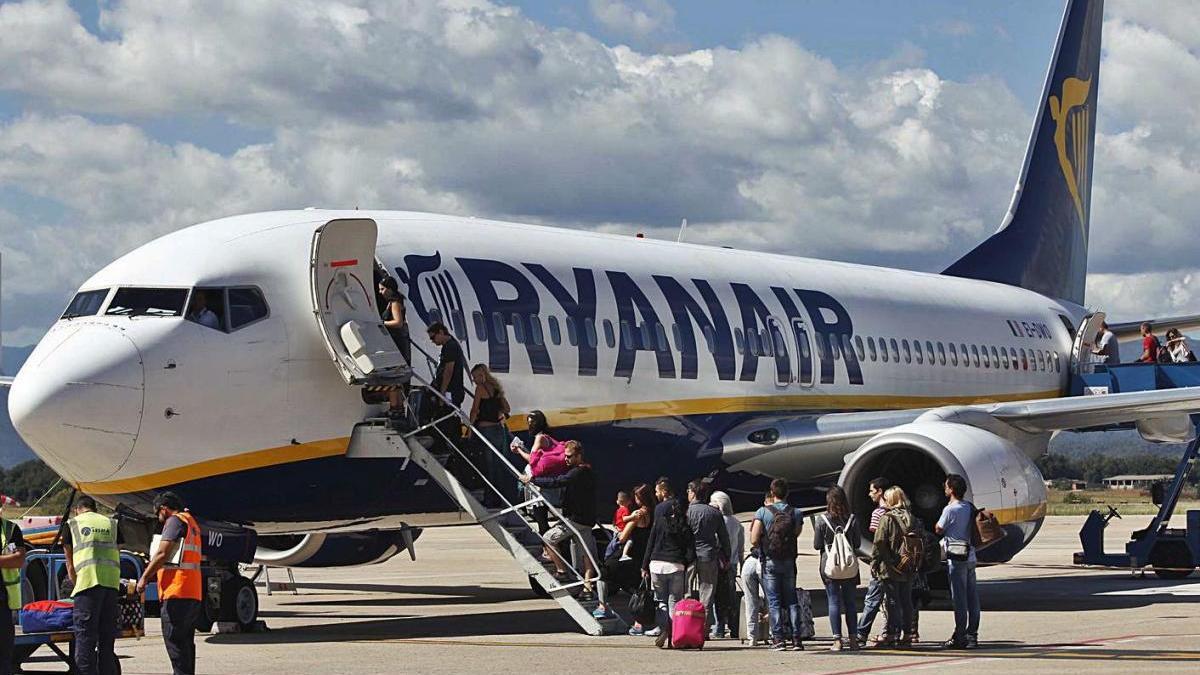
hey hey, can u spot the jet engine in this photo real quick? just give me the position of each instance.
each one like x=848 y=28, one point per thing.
x=339 y=549
x=918 y=457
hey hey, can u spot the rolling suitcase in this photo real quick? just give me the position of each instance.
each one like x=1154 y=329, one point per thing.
x=689 y=625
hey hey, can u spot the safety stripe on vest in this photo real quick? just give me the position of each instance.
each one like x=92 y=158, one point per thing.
x=103 y=546
x=97 y=561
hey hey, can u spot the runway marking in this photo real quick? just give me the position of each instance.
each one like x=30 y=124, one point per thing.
x=1183 y=589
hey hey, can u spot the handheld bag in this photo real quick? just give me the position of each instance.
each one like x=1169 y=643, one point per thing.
x=642 y=604
x=987 y=529
x=688 y=625
x=807 y=630
x=841 y=562
x=47 y=616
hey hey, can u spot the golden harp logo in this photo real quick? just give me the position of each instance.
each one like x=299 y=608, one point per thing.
x=1072 y=118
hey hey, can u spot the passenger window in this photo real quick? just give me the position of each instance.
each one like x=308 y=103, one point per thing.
x=535 y=330
x=678 y=335
x=555 y=333
x=753 y=345
x=572 y=332
x=929 y=352
x=627 y=335
x=987 y=360
x=895 y=350
x=738 y=342
x=161 y=302
x=883 y=350
x=847 y=348
x=953 y=355
x=85 y=303
x=480 y=328
x=647 y=335
x=975 y=355
x=995 y=357
x=777 y=340
x=711 y=338
x=1012 y=355
x=917 y=352
x=907 y=351
x=610 y=337
x=966 y=361
x=661 y=334
x=518 y=324
x=858 y=347
x=1057 y=363
x=941 y=353
x=499 y=329
x=1041 y=360
x=246 y=305
x=457 y=322
x=871 y=348
x=1024 y=360
x=589 y=332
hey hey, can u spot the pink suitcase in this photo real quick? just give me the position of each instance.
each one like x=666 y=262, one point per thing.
x=689 y=625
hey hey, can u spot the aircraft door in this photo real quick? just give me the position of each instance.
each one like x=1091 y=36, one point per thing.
x=342 y=286
x=1085 y=339
x=804 y=355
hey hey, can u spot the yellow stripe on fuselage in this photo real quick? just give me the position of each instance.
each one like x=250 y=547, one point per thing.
x=1020 y=514
x=566 y=417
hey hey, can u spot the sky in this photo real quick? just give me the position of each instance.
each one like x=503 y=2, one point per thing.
x=868 y=131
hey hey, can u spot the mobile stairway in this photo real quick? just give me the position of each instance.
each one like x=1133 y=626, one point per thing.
x=1173 y=553
x=444 y=457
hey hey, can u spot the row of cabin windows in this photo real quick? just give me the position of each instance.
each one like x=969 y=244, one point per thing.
x=766 y=343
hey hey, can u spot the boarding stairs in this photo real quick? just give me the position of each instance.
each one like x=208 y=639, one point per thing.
x=445 y=458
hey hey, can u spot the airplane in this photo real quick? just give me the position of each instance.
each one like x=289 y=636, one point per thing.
x=662 y=358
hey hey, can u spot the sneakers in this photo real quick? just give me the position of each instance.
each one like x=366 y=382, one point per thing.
x=972 y=642
x=624 y=558
x=637 y=631
x=779 y=646
x=853 y=644
x=653 y=632
x=601 y=612
x=797 y=646
x=862 y=639
x=954 y=644
x=836 y=646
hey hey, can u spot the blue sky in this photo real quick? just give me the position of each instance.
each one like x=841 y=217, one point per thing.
x=885 y=133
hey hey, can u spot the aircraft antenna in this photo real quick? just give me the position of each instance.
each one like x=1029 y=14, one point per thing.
x=682 y=228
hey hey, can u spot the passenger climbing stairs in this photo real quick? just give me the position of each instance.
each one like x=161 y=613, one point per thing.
x=440 y=451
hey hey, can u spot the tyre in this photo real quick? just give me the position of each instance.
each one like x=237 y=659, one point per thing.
x=239 y=602
x=1171 y=559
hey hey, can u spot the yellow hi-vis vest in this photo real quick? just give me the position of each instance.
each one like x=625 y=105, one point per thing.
x=11 y=577
x=94 y=551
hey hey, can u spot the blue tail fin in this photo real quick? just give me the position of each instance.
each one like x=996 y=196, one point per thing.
x=1042 y=243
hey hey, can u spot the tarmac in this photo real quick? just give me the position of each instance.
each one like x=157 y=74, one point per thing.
x=464 y=606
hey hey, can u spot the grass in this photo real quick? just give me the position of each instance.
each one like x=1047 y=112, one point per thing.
x=1127 y=502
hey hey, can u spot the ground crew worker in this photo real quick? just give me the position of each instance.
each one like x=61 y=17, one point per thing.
x=179 y=586
x=12 y=558
x=94 y=567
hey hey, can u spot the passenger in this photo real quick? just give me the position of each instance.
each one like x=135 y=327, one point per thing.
x=1107 y=346
x=839 y=592
x=489 y=410
x=1150 y=345
x=712 y=544
x=725 y=609
x=955 y=526
x=199 y=312
x=897 y=584
x=753 y=587
x=540 y=463
x=621 y=567
x=874 y=599
x=391 y=310
x=1177 y=347
x=180 y=586
x=94 y=568
x=668 y=554
x=624 y=502
x=775 y=529
x=579 y=511
x=12 y=560
x=448 y=379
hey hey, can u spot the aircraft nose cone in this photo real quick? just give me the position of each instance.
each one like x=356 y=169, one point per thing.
x=78 y=401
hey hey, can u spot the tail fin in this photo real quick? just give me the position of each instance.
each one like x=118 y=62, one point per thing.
x=1042 y=243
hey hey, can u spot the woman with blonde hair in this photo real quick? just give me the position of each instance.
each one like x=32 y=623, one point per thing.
x=489 y=410
x=885 y=561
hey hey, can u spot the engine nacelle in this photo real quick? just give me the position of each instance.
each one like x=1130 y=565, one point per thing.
x=338 y=549
x=918 y=456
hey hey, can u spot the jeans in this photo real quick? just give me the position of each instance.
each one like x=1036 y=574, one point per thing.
x=96 y=617
x=779 y=577
x=898 y=595
x=497 y=474
x=870 y=606
x=668 y=590
x=724 y=612
x=840 y=597
x=966 y=600
x=179 y=633
x=752 y=587
x=702 y=576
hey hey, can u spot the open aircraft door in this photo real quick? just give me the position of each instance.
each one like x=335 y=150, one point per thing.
x=1085 y=341
x=342 y=283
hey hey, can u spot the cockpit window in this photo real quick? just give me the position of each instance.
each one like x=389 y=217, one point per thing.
x=147 y=302
x=86 y=303
x=207 y=308
x=246 y=305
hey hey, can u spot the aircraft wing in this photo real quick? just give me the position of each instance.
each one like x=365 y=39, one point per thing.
x=1131 y=329
x=764 y=445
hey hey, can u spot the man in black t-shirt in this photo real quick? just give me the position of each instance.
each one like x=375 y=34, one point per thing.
x=449 y=377
x=12 y=557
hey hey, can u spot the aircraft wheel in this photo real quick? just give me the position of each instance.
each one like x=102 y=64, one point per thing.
x=240 y=602
x=1171 y=560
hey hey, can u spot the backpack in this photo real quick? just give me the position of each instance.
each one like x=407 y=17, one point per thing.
x=912 y=548
x=781 y=536
x=841 y=560
x=932 y=561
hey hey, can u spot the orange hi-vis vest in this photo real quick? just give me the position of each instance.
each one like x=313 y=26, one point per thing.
x=183 y=581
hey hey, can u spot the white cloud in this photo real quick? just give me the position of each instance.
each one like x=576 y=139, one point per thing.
x=464 y=106
x=633 y=18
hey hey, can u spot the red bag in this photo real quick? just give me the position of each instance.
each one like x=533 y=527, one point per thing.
x=549 y=462
x=689 y=625
x=47 y=616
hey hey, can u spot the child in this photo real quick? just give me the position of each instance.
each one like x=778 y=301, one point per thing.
x=620 y=516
